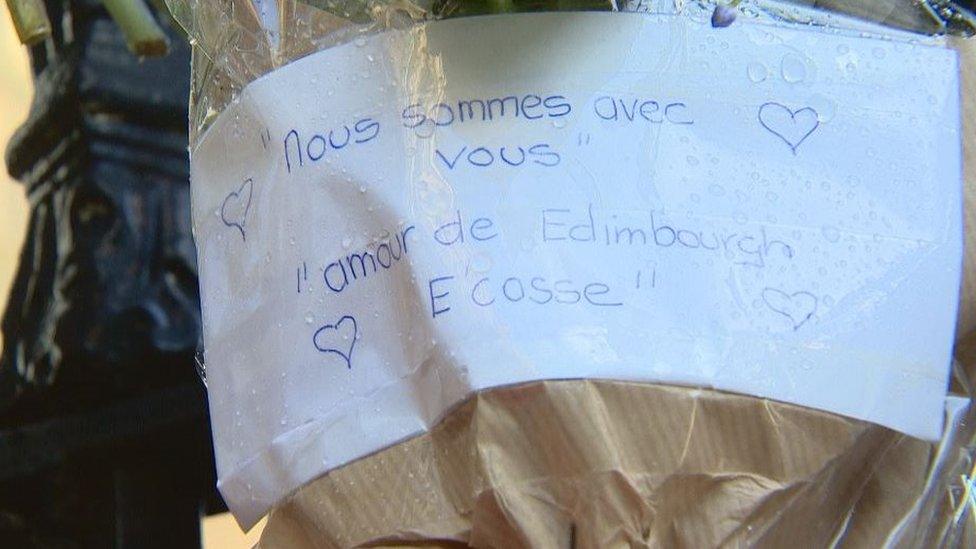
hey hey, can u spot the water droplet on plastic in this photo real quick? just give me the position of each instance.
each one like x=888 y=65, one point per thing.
x=826 y=108
x=481 y=263
x=201 y=366
x=793 y=68
x=559 y=123
x=346 y=242
x=757 y=72
x=309 y=318
x=692 y=161
x=831 y=233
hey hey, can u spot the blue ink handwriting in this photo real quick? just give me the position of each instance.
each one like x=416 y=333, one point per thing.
x=233 y=211
x=792 y=127
x=332 y=338
x=798 y=307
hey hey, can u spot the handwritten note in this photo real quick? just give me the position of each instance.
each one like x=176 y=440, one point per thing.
x=758 y=209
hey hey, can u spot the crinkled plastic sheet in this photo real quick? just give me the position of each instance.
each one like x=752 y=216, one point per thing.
x=236 y=41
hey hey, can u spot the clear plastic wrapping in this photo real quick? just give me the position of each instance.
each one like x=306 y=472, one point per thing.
x=236 y=42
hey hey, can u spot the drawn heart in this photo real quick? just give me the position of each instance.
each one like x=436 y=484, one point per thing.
x=233 y=211
x=333 y=338
x=799 y=307
x=793 y=127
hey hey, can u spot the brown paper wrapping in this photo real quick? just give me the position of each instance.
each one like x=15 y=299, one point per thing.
x=610 y=464
x=607 y=464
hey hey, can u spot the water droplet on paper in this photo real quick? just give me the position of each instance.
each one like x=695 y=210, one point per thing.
x=360 y=41
x=346 y=242
x=559 y=123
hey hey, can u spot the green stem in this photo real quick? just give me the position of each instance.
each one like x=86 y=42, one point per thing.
x=142 y=33
x=500 y=6
x=30 y=20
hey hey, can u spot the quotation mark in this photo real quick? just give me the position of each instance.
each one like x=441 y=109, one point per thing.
x=301 y=274
x=233 y=210
x=332 y=338
x=792 y=127
x=798 y=307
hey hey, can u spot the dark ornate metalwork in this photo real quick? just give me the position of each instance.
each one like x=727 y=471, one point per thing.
x=106 y=293
x=103 y=431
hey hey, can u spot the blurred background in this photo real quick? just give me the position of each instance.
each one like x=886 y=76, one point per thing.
x=16 y=90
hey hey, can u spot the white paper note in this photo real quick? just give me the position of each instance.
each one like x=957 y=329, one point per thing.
x=387 y=226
